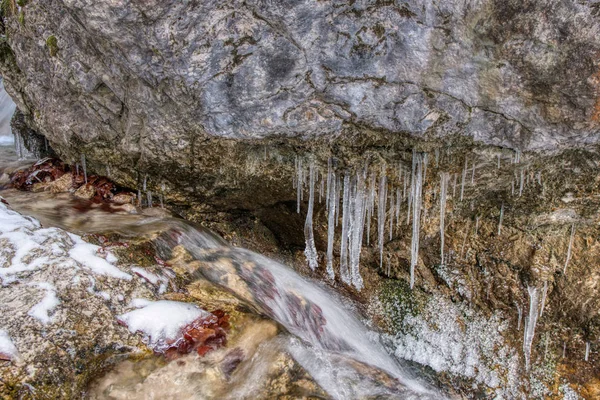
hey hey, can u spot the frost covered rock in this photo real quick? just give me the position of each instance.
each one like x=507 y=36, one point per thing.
x=59 y=298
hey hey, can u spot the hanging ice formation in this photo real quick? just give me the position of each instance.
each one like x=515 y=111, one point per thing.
x=544 y=294
x=570 y=248
x=392 y=212
x=299 y=179
x=462 y=183
x=530 y=325
x=84 y=167
x=416 y=191
x=381 y=213
x=331 y=204
x=501 y=218
x=521 y=180
x=310 y=251
x=520 y=313
x=344 y=239
x=587 y=351
x=357 y=223
x=443 y=189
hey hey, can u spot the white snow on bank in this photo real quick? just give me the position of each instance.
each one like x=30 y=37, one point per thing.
x=7 y=140
x=160 y=321
x=154 y=279
x=41 y=311
x=86 y=254
x=7 y=347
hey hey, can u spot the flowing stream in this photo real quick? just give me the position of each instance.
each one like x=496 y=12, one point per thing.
x=318 y=328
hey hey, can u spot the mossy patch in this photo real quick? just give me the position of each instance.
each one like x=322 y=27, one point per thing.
x=52 y=45
x=400 y=302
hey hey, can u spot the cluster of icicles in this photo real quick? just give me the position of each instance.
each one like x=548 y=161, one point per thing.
x=355 y=197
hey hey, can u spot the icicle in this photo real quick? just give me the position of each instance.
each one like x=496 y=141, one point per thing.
x=520 y=311
x=329 y=172
x=356 y=228
x=77 y=169
x=46 y=143
x=462 y=183
x=405 y=185
x=501 y=218
x=564 y=349
x=512 y=188
x=381 y=213
x=392 y=212
x=83 y=166
x=531 y=322
x=310 y=251
x=544 y=294
x=454 y=187
x=570 y=248
x=144 y=183
x=410 y=194
x=473 y=174
x=416 y=191
x=539 y=178
x=443 y=189
x=476 y=225
x=107 y=170
x=437 y=157
x=331 y=201
x=398 y=204
x=321 y=190
x=149 y=198
x=370 y=205
x=521 y=179
x=587 y=351
x=498 y=161
x=299 y=180
x=425 y=161
x=139 y=196
x=345 y=226
x=337 y=200
x=294 y=178
x=265 y=152
x=464 y=243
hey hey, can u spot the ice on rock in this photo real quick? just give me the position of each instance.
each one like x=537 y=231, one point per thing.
x=160 y=321
x=501 y=218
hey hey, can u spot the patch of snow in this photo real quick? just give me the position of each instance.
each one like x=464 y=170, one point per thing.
x=86 y=254
x=569 y=393
x=7 y=347
x=160 y=321
x=147 y=275
x=41 y=311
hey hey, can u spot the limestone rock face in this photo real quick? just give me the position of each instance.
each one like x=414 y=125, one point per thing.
x=156 y=78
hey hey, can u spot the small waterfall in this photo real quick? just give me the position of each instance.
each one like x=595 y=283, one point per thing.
x=331 y=210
